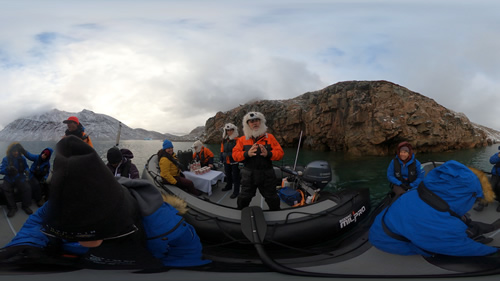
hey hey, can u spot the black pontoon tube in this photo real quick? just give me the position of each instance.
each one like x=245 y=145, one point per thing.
x=254 y=227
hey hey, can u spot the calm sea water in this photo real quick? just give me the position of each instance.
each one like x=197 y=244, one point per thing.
x=349 y=171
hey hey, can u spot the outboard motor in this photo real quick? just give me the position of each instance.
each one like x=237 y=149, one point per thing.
x=317 y=173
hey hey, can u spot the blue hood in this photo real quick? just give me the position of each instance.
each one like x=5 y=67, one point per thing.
x=456 y=184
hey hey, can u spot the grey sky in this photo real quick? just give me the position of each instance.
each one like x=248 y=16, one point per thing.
x=170 y=65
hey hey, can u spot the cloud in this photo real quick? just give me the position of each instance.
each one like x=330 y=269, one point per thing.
x=166 y=66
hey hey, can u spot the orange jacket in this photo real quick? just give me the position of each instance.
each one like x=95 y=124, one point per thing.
x=85 y=138
x=88 y=140
x=205 y=156
x=274 y=152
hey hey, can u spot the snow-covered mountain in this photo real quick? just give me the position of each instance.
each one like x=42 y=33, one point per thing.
x=48 y=126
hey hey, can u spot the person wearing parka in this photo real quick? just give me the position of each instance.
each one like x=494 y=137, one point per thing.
x=96 y=220
x=15 y=169
x=414 y=227
x=203 y=155
x=39 y=173
x=75 y=128
x=495 y=182
x=120 y=163
x=495 y=176
x=170 y=169
x=257 y=150
x=404 y=171
x=231 y=167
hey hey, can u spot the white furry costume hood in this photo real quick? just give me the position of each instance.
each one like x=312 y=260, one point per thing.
x=246 y=128
x=197 y=146
x=229 y=126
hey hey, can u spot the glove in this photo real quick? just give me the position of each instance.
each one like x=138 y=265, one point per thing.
x=405 y=186
x=21 y=254
x=11 y=171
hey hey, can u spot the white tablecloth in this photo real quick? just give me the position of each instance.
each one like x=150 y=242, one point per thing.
x=205 y=181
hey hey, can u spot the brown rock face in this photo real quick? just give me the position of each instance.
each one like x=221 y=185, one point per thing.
x=359 y=117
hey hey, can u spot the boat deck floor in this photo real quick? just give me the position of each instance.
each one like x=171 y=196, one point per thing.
x=224 y=198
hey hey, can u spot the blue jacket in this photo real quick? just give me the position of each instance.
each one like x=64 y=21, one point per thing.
x=495 y=160
x=404 y=172
x=169 y=238
x=39 y=163
x=16 y=162
x=428 y=229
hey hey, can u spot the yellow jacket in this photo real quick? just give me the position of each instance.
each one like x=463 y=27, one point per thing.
x=168 y=170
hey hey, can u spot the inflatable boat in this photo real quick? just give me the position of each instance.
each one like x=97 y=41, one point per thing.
x=218 y=222
x=257 y=252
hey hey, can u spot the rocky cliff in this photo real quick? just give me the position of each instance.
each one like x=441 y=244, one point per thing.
x=361 y=117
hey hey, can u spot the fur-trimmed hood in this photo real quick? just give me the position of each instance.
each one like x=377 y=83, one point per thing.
x=410 y=150
x=197 y=145
x=14 y=146
x=229 y=126
x=246 y=128
x=488 y=193
x=176 y=202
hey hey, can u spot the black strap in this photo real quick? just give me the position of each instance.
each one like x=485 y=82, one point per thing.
x=168 y=232
x=433 y=200
x=163 y=153
x=388 y=231
x=394 y=235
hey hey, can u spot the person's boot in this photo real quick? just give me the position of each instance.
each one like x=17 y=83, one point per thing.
x=40 y=202
x=498 y=208
x=496 y=224
x=480 y=207
x=11 y=213
x=27 y=210
x=227 y=187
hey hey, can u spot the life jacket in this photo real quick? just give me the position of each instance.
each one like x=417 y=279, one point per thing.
x=259 y=163
x=412 y=171
x=40 y=170
x=228 y=146
x=200 y=156
x=497 y=169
